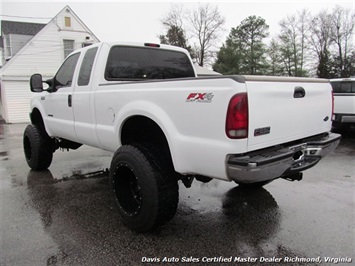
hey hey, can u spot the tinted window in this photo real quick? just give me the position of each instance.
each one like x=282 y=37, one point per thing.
x=65 y=73
x=336 y=86
x=134 y=63
x=343 y=86
x=86 y=67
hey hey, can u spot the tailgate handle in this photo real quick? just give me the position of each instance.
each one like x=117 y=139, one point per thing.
x=69 y=100
x=299 y=92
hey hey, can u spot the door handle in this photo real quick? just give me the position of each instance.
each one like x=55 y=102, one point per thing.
x=70 y=100
x=299 y=92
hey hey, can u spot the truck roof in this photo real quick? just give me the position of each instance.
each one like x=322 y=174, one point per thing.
x=146 y=44
x=343 y=79
x=135 y=44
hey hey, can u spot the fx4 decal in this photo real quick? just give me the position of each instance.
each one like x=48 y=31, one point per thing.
x=200 y=97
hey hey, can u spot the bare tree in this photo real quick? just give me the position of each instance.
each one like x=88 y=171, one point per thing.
x=320 y=37
x=173 y=22
x=303 y=28
x=342 y=29
x=293 y=38
x=320 y=42
x=276 y=66
x=175 y=17
x=288 y=40
x=206 y=26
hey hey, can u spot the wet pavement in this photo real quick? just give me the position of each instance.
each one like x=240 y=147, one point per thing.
x=66 y=216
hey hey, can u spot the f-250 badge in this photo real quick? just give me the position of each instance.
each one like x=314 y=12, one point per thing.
x=200 y=97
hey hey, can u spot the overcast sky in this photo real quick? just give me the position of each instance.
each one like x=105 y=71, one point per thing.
x=140 y=21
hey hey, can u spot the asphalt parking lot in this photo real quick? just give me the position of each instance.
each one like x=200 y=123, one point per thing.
x=66 y=216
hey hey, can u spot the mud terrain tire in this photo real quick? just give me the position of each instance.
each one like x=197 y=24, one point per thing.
x=145 y=190
x=38 y=148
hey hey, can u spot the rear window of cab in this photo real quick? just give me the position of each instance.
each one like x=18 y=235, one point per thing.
x=345 y=86
x=144 y=63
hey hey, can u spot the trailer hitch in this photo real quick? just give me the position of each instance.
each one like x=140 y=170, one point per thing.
x=293 y=177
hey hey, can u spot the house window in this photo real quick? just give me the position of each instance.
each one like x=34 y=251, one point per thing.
x=68 y=47
x=8 y=52
x=67 y=21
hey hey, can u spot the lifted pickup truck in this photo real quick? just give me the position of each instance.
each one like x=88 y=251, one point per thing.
x=144 y=103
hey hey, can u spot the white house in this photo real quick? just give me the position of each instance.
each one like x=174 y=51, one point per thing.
x=41 y=53
x=14 y=35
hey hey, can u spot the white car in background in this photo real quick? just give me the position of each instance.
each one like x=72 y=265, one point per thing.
x=344 y=102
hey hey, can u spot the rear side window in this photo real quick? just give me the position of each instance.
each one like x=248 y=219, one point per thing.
x=133 y=63
x=343 y=86
x=86 y=67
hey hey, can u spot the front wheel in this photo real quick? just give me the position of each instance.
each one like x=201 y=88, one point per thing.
x=38 y=148
x=145 y=192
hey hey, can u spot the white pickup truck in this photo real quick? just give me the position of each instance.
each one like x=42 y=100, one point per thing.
x=344 y=102
x=144 y=103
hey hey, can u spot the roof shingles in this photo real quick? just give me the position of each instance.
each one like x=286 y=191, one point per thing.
x=22 y=28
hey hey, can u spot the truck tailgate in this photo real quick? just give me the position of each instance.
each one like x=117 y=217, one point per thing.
x=344 y=103
x=286 y=109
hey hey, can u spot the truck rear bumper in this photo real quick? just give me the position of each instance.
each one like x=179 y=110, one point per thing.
x=344 y=118
x=281 y=161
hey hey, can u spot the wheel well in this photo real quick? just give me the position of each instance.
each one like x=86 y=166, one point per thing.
x=144 y=131
x=37 y=120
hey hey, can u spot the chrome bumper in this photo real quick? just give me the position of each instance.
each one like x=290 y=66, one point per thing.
x=283 y=161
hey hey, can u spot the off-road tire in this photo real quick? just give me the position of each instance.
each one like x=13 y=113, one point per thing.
x=38 y=148
x=145 y=190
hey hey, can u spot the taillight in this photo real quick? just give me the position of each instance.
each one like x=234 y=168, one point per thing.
x=237 y=120
x=333 y=117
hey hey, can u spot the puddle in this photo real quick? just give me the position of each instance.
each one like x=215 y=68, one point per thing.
x=77 y=175
x=38 y=178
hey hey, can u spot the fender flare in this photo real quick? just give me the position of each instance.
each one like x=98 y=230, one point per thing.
x=154 y=113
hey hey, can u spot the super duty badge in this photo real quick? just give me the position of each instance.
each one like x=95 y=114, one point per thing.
x=261 y=131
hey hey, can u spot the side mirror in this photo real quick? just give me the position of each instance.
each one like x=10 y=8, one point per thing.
x=36 y=83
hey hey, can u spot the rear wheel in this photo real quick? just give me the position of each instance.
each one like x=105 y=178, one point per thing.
x=145 y=191
x=38 y=148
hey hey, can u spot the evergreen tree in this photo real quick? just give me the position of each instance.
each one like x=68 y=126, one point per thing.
x=175 y=36
x=244 y=51
x=324 y=69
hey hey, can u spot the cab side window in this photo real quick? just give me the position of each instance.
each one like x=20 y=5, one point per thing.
x=64 y=76
x=86 y=67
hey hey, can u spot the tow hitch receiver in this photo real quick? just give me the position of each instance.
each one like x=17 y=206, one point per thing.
x=293 y=177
